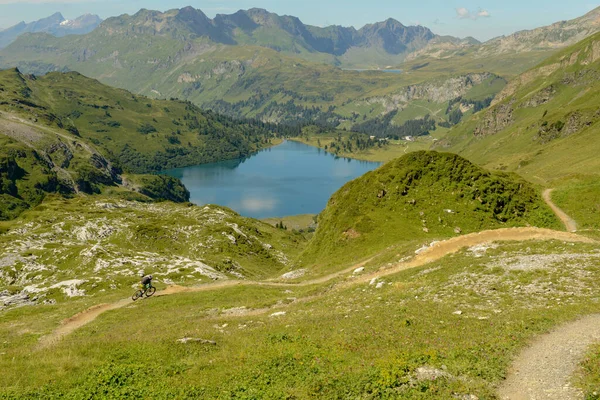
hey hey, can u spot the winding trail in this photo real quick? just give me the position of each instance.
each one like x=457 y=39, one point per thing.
x=543 y=370
x=569 y=222
x=435 y=252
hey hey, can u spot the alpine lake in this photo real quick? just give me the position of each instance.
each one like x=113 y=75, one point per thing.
x=289 y=179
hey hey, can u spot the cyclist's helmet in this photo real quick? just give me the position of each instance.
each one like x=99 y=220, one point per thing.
x=150 y=276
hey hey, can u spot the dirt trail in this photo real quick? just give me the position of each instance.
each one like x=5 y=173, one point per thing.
x=441 y=249
x=569 y=222
x=435 y=252
x=78 y=320
x=543 y=370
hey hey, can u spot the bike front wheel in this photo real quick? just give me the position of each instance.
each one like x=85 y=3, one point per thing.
x=151 y=290
x=137 y=295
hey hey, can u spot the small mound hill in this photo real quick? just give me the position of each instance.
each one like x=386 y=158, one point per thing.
x=423 y=195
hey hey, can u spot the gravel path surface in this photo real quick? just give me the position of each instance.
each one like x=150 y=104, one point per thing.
x=544 y=369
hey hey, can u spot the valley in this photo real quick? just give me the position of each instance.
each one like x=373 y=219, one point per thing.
x=462 y=264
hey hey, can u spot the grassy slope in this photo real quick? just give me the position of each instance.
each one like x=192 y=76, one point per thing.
x=579 y=197
x=176 y=133
x=506 y=65
x=522 y=146
x=353 y=342
x=421 y=196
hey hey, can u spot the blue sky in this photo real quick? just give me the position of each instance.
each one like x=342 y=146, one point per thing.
x=481 y=19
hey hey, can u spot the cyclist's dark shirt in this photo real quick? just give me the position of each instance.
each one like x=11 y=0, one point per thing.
x=146 y=280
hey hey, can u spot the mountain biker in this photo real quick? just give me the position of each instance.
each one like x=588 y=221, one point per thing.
x=146 y=281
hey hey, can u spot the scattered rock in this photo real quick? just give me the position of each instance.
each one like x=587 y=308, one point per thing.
x=351 y=234
x=359 y=270
x=430 y=374
x=457 y=312
x=196 y=340
x=379 y=285
x=294 y=274
x=457 y=230
x=541 y=97
x=495 y=120
x=465 y=397
x=278 y=314
x=20 y=299
x=236 y=311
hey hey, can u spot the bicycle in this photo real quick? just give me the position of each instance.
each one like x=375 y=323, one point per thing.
x=149 y=291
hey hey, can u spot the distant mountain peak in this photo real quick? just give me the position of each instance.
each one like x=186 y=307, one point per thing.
x=55 y=25
x=57 y=14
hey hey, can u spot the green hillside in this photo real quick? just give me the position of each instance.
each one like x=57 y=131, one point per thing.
x=544 y=124
x=421 y=196
x=37 y=161
x=136 y=133
x=449 y=328
x=67 y=134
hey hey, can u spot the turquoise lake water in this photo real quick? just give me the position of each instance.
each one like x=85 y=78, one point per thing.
x=288 y=179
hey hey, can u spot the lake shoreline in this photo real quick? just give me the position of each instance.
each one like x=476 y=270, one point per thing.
x=287 y=179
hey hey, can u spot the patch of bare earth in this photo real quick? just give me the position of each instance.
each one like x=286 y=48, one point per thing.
x=569 y=222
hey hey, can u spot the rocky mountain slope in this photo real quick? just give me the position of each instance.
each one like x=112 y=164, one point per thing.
x=285 y=34
x=101 y=245
x=423 y=195
x=508 y=55
x=55 y=25
x=545 y=123
x=556 y=36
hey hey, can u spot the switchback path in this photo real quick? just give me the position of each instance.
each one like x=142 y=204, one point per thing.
x=544 y=369
x=569 y=222
x=435 y=252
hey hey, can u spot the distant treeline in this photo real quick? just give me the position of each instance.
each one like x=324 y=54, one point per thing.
x=383 y=127
x=354 y=142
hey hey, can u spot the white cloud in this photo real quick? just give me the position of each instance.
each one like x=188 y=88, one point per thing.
x=463 y=13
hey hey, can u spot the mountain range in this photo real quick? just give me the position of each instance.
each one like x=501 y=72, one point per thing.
x=55 y=25
x=285 y=34
x=238 y=80
x=543 y=39
x=375 y=45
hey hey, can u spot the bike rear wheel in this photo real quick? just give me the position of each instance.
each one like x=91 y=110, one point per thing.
x=150 y=291
x=137 y=295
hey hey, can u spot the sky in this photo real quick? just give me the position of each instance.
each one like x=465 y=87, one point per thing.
x=480 y=19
